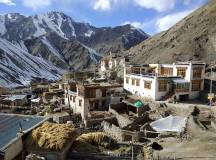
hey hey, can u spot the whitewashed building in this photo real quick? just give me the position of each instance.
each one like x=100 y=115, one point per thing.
x=108 y=63
x=185 y=80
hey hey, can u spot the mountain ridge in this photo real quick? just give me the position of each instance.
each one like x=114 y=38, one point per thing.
x=61 y=42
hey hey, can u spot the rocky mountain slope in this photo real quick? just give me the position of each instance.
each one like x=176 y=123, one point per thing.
x=18 y=67
x=60 y=42
x=193 y=38
x=17 y=27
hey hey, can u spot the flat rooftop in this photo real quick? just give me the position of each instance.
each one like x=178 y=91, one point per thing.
x=98 y=85
x=153 y=76
x=10 y=126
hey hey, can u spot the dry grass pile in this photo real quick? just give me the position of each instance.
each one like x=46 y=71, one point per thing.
x=96 y=138
x=52 y=136
x=90 y=140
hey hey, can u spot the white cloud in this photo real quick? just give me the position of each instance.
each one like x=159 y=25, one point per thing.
x=158 y=5
x=102 y=5
x=36 y=4
x=168 y=21
x=7 y=2
x=135 y=24
x=147 y=25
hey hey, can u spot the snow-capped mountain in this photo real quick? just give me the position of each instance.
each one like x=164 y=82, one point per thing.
x=62 y=42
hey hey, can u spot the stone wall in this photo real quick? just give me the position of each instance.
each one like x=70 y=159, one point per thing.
x=123 y=120
x=148 y=153
x=93 y=122
x=120 y=134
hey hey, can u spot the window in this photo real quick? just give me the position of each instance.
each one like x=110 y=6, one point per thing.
x=136 y=70
x=133 y=82
x=103 y=92
x=90 y=93
x=137 y=82
x=162 y=85
x=196 y=85
x=74 y=99
x=197 y=72
x=80 y=102
x=147 y=84
x=127 y=80
x=71 y=97
x=166 y=71
x=181 y=72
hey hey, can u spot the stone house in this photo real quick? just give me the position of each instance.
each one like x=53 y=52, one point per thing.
x=77 y=76
x=3 y=90
x=90 y=97
x=15 y=100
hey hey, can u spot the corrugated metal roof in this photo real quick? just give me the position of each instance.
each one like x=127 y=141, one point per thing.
x=10 y=125
x=180 y=80
x=15 y=97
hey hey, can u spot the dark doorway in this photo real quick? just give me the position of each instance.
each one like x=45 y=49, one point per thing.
x=184 y=97
x=96 y=105
x=127 y=138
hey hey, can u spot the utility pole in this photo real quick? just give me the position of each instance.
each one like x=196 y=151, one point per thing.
x=132 y=151
x=211 y=87
x=211 y=94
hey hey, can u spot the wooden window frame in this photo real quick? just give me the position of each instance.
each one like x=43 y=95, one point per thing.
x=137 y=82
x=196 y=85
x=133 y=82
x=127 y=80
x=197 y=72
x=162 y=85
x=147 y=84
x=181 y=71
x=167 y=71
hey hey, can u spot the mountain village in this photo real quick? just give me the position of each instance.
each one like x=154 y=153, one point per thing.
x=73 y=91
x=117 y=110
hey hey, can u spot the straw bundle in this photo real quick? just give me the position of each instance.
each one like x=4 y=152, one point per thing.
x=96 y=138
x=51 y=136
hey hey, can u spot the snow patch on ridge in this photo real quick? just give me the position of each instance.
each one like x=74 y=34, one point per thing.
x=52 y=21
x=39 y=30
x=89 y=33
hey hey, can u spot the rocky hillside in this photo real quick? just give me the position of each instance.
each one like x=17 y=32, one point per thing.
x=18 y=67
x=193 y=38
x=58 y=40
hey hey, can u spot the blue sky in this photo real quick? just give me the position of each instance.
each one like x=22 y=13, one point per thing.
x=152 y=16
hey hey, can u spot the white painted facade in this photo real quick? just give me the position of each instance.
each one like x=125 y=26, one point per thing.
x=140 y=90
x=108 y=64
x=153 y=92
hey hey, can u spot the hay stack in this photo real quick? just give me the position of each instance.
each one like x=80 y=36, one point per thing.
x=96 y=138
x=51 y=136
